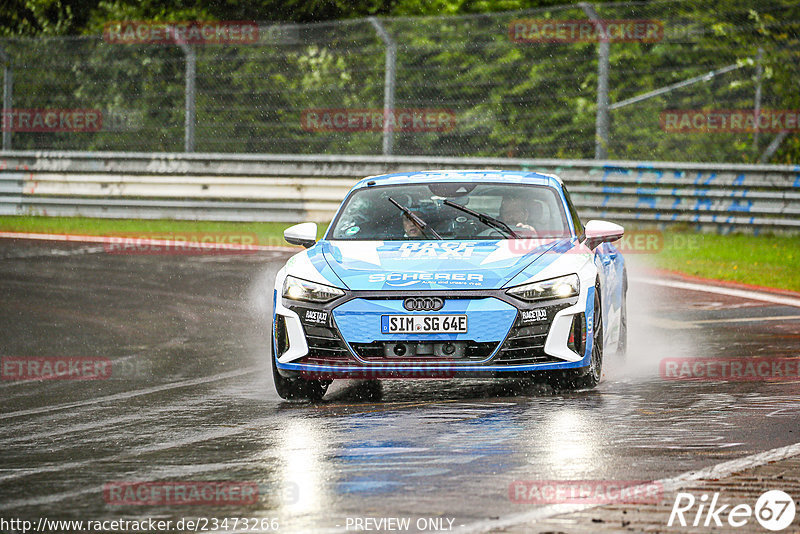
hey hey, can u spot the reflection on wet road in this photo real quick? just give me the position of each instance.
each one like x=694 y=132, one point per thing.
x=190 y=399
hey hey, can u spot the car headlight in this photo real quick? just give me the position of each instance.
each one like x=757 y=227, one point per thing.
x=297 y=289
x=553 y=288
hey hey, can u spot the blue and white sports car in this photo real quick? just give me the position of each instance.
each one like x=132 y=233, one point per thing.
x=447 y=274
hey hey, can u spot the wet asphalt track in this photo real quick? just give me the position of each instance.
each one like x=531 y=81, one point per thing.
x=190 y=398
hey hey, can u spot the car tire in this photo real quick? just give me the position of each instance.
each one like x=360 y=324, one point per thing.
x=588 y=377
x=297 y=388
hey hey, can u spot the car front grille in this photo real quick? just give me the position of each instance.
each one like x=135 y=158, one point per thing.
x=325 y=346
x=524 y=346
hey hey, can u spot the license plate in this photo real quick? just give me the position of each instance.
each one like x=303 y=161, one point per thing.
x=424 y=324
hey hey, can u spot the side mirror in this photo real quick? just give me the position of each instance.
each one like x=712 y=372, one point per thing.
x=304 y=234
x=602 y=232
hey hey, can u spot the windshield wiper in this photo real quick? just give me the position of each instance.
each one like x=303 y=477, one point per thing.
x=488 y=220
x=415 y=219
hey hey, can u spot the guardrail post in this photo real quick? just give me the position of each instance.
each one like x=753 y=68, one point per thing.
x=189 y=114
x=603 y=50
x=388 y=84
x=8 y=98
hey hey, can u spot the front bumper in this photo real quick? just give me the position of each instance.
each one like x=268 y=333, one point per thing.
x=505 y=336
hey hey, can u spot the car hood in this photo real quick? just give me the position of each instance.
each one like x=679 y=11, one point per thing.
x=433 y=265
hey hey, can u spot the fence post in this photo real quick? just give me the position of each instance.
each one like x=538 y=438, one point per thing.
x=603 y=50
x=191 y=70
x=388 y=85
x=757 y=102
x=8 y=98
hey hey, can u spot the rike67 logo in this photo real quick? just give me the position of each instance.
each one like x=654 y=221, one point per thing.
x=774 y=510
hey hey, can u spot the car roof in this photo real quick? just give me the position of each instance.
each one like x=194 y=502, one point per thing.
x=465 y=175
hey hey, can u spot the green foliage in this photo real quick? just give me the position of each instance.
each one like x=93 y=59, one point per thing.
x=510 y=99
x=37 y=17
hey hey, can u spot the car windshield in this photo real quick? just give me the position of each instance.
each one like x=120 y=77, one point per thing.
x=434 y=211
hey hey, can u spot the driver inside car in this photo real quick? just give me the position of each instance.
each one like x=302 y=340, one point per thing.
x=411 y=230
x=515 y=212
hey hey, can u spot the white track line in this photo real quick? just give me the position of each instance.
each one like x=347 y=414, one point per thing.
x=671 y=324
x=749 y=319
x=133 y=240
x=131 y=394
x=713 y=472
x=741 y=293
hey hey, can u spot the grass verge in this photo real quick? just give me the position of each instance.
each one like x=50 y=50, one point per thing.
x=264 y=233
x=765 y=260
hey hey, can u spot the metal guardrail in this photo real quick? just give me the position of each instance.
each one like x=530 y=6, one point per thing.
x=287 y=188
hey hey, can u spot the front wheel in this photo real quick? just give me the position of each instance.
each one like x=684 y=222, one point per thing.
x=297 y=388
